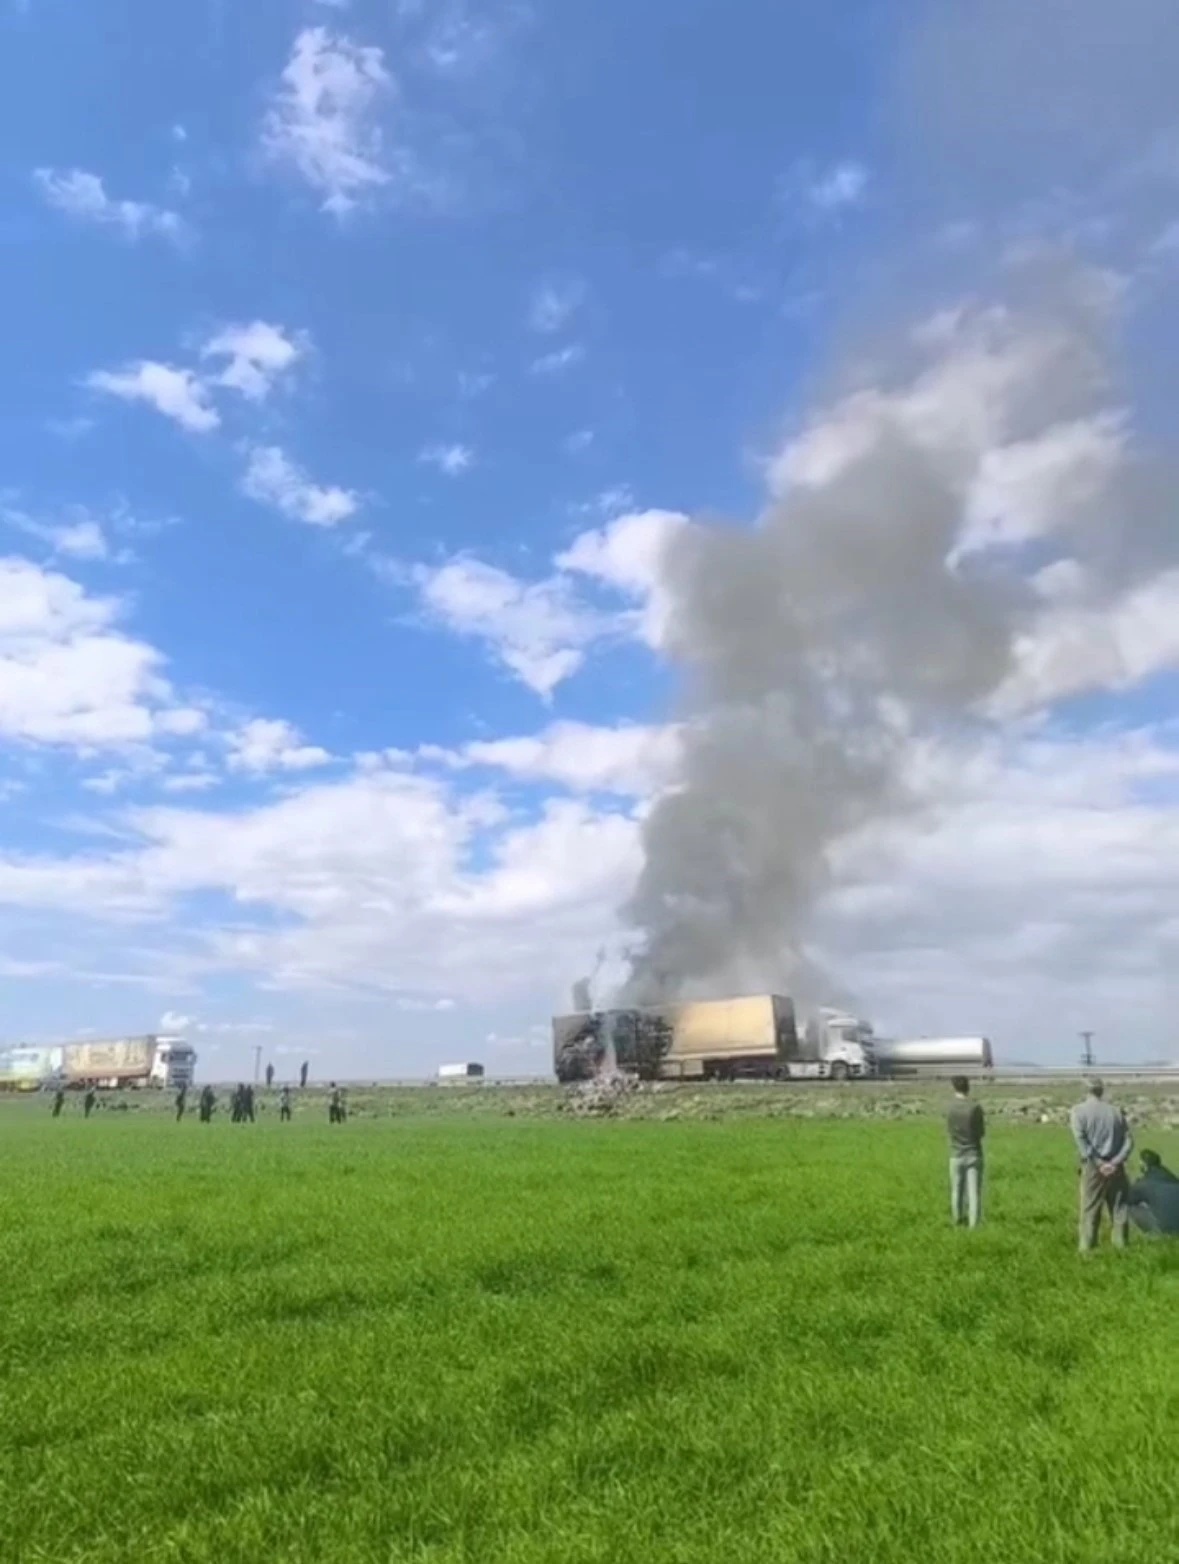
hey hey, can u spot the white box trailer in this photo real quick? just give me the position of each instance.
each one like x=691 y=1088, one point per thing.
x=460 y=1072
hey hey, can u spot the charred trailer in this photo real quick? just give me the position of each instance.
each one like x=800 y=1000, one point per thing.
x=718 y=1039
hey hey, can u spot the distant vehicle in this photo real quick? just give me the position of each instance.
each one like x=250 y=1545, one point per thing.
x=752 y=1037
x=111 y=1063
x=933 y=1055
x=460 y=1072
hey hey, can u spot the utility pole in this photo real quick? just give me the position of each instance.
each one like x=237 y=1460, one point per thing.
x=1087 y=1058
x=257 y=1061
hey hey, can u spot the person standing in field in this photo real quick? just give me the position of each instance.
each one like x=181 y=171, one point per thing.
x=967 y=1126
x=269 y=1076
x=1154 y=1199
x=1104 y=1144
x=303 y=1074
x=181 y=1103
x=336 y=1106
x=208 y=1102
x=248 y=1103
x=89 y=1101
x=58 y=1102
x=237 y=1106
x=284 y=1105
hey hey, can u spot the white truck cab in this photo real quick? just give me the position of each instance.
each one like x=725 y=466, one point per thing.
x=173 y=1064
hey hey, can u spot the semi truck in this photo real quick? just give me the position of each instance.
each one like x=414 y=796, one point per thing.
x=472 y=1071
x=105 y=1062
x=752 y=1037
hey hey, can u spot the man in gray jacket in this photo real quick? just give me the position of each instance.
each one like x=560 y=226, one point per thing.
x=1104 y=1143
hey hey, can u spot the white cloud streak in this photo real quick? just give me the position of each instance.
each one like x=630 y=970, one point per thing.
x=83 y=196
x=272 y=478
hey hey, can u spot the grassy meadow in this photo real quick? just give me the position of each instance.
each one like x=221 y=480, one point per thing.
x=448 y=1336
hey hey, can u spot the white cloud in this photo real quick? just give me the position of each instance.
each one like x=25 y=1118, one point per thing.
x=173 y=1021
x=323 y=120
x=449 y=459
x=69 y=676
x=84 y=196
x=177 y=393
x=272 y=478
x=577 y=442
x=257 y=354
x=538 y=630
x=78 y=537
x=560 y=359
x=630 y=760
x=264 y=745
x=553 y=303
x=841 y=185
x=627 y=555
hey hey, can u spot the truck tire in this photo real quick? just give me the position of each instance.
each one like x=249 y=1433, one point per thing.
x=839 y=1070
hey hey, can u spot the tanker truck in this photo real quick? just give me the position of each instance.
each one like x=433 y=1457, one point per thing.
x=752 y=1037
x=933 y=1055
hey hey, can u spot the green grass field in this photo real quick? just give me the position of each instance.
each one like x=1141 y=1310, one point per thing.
x=487 y=1339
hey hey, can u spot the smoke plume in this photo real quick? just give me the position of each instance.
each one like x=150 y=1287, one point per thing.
x=894 y=594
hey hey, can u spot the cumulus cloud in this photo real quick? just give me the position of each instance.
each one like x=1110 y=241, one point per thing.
x=627 y=554
x=821 y=192
x=323 y=122
x=69 y=676
x=265 y=745
x=538 y=630
x=272 y=478
x=178 y=394
x=256 y=357
x=75 y=536
x=83 y=196
x=630 y=760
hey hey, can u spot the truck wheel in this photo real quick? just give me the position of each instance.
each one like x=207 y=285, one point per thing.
x=839 y=1070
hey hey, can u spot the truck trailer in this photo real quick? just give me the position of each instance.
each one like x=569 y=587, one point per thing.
x=752 y=1037
x=933 y=1055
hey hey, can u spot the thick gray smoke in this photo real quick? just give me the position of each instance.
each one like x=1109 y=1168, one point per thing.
x=960 y=519
x=869 y=611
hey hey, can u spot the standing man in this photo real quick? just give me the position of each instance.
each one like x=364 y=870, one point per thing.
x=269 y=1076
x=58 y=1102
x=967 y=1127
x=248 y=1104
x=181 y=1103
x=208 y=1101
x=303 y=1074
x=1104 y=1143
x=239 y=1097
x=284 y=1105
x=89 y=1101
x=1154 y=1199
x=336 y=1106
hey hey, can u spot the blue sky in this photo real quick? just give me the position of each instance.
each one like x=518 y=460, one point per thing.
x=361 y=356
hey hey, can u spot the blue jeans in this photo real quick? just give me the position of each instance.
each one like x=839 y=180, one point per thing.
x=966 y=1174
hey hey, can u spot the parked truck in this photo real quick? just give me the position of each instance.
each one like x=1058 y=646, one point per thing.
x=105 y=1062
x=752 y=1037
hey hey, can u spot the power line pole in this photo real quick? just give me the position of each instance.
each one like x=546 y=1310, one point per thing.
x=1087 y=1058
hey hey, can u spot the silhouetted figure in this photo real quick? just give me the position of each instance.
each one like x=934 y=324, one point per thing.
x=303 y=1073
x=336 y=1114
x=284 y=1105
x=207 y=1104
x=89 y=1101
x=58 y=1102
x=181 y=1103
x=237 y=1104
x=248 y=1104
x=1154 y=1198
x=269 y=1076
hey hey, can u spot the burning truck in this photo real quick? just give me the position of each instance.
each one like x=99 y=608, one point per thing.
x=755 y=1036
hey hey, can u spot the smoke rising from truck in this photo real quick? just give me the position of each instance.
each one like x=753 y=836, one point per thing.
x=941 y=530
